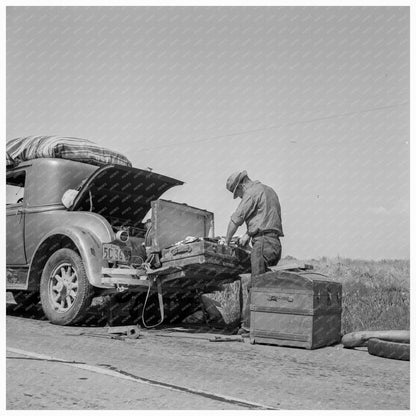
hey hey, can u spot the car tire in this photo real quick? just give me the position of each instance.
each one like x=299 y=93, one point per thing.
x=389 y=349
x=65 y=291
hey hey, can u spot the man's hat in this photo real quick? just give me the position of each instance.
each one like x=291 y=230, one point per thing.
x=234 y=180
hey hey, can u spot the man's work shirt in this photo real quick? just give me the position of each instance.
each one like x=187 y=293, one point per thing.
x=260 y=209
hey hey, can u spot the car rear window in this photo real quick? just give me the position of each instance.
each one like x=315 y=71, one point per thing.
x=15 y=187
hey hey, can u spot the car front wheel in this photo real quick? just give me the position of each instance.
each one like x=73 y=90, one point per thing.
x=65 y=291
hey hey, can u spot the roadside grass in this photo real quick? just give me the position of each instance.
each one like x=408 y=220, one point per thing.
x=376 y=294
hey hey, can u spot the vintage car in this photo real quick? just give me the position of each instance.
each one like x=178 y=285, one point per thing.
x=101 y=244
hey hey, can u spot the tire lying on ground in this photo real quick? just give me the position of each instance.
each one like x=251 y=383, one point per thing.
x=389 y=349
x=360 y=338
x=65 y=291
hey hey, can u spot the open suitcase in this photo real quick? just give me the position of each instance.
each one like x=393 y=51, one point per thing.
x=184 y=236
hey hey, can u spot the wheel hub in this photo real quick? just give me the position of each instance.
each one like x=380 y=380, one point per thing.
x=63 y=287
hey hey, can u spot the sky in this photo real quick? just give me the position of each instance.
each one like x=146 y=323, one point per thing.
x=312 y=101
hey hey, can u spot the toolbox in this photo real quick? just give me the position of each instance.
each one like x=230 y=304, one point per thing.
x=298 y=309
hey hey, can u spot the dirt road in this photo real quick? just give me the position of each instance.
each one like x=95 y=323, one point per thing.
x=52 y=367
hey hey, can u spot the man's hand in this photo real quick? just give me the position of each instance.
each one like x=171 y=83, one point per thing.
x=221 y=241
x=243 y=241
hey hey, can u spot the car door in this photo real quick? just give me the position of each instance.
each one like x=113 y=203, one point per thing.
x=15 y=217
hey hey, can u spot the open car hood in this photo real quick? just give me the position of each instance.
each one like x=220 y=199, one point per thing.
x=122 y=195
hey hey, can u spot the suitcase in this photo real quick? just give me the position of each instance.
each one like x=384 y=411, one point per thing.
x=198 y=261
x=207 y=256
x=296 y=309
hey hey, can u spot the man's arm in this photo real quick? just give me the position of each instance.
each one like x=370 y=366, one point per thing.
x=231 y=229
x=244 y=210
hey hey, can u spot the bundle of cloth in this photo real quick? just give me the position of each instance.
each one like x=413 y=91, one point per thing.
x=80 y=150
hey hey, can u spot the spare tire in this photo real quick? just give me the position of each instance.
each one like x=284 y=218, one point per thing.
x=389 y=349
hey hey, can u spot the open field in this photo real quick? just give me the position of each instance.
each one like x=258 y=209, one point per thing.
x=376 y=294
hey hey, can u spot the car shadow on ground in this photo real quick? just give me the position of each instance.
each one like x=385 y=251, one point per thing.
x=98 y=315
x=104 y=312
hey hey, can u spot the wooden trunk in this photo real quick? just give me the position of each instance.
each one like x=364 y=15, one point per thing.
x=299 y=309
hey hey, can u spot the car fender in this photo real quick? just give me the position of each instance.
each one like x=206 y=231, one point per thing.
x=83 y=240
